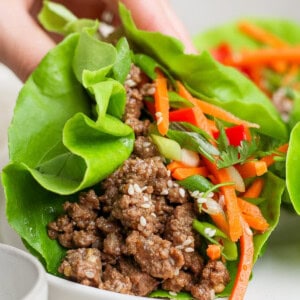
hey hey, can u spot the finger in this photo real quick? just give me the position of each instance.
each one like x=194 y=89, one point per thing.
x=158 y=15
x=23 y=42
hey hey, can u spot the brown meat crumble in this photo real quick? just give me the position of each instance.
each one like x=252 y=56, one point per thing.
x=137 y=235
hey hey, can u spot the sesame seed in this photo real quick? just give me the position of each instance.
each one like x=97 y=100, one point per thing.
x=175 y=184
x=146 y=144
x=179 y=247
x=189 y=249
x=187 y=242
x=172 y=293
x=146 y=198
x=143 y=221
x=169 y=173
x=130 y=189
x=137 y=188
x=181 y=192
x=172 y=261
x=169 y=183
x=143 y=188
x=159 y=120
x=151 y=91
x=153 y=215
x=90 y=274
x=146 y=205
x=210 y=231
x=176 y=272
x=164 y=192
x=130 y=83
x=158 y=114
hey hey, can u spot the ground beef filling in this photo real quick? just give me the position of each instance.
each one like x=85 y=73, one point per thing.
x=136 y=234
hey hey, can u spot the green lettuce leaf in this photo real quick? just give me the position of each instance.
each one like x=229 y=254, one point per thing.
x=208 y=79
x=293 y=168
x=64 y=148
x=284 y=29
x=56 y=18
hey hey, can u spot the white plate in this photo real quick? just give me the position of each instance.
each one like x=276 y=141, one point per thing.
x=277 y=273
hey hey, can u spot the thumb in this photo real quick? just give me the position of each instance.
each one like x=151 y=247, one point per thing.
x=23 y=42
x=158 y=15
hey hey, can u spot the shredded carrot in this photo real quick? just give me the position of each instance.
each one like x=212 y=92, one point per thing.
x=254 y=190
x=202 y=121
x=221 y=222
x=290 y=54
x=269 y=159
x=253 y=215
x=245 y=263
x=261 y=35
x=232 y=208
x=213 y=251
x=161 y=102
x=175 y=164
x=182 y=173
x=220 y=113
x=252 y=168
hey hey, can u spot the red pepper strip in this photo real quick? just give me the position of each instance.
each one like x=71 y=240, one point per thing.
x=150 y=107
x=245 y=263
x=184 y=115
x=236 y=134
x=222 y=53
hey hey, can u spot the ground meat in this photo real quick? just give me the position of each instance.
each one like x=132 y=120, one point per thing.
x=165 y=259
x=82 y=265
x=113 y=244
x=140 y=127
x=77 y=228
x=203 y=291
x=142 y=283
x=107 y=226
x=115 y=281
x=144 y=148
x=216 y=274
x=182 y=281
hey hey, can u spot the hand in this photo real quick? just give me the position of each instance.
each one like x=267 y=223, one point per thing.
x=23 y=42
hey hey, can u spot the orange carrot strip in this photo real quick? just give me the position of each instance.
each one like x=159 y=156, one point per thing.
x=254 y=190
x=269 y=159
x=200 y=117
x=252 y=168
x=176 y=164
x=220 y=113
x=264 y=56
x=161 y=102
x=253 y=215
x=261 y=34
x=221 y=222
x=245 y=263
x=232 y=208
x=255 y=223
x=182 y=173
x=213 y=251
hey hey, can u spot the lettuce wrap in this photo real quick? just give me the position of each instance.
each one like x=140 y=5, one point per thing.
x=288 y=32
x=67 y=133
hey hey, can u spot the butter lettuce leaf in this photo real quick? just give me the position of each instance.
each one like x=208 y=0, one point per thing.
x=65 y=147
